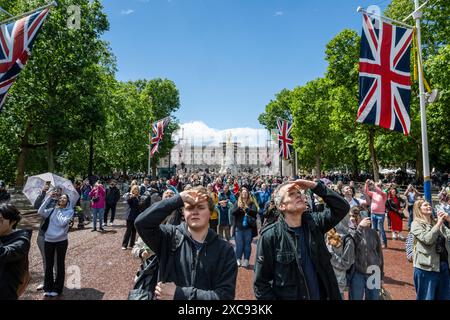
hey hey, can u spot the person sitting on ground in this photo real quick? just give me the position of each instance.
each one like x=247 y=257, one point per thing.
x=202 y=266
x=14 y=248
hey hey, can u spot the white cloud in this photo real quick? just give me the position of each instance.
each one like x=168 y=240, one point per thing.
x=197 y=131
x=127 y=12
x=278 y=13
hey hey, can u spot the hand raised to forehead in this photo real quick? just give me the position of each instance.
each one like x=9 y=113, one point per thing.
x=302 y=184
x=193 y=197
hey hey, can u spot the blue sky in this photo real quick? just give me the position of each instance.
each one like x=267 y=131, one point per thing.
x=228 y=58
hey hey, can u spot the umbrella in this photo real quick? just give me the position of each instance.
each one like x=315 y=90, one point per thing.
x=326 y=181
x=35 y=184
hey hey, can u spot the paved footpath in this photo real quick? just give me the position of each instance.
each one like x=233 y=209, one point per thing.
x=107 y=272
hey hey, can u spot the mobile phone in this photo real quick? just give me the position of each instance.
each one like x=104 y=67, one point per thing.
x=364 y=214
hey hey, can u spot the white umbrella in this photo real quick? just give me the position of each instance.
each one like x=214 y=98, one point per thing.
x=35 y=184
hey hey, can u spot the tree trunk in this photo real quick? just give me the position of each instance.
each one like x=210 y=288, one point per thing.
x=355 y=167
x=153 y=164
x=25 y=146
x=20 y=178
x=91 y=154
x=51 y=153
x=373 y=155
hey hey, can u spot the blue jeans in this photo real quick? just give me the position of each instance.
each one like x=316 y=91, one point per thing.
x=378 y=224
x=432 y=285
x=243 y=243
x=358 y=287
x=410 y=215
x=99 y=212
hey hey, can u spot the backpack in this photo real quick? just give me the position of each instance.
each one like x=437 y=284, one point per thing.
x=149 y=274
x=24 y=278
x=350 y=271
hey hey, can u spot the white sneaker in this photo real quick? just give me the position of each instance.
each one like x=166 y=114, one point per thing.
x=54 y=294
x=124 y=248
x=238 y=262
x=40 y=287
x=245 y=264
x=401 y=237
x=394 y=236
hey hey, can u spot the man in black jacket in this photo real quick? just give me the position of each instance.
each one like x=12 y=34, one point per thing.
x=201 y=265
x=14 y=248
x=292 y=260
x=112 y=197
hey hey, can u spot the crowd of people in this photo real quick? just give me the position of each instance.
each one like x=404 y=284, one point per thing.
x=316 y=240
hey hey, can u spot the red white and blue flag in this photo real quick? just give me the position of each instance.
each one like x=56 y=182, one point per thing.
x=384 y=76
x=285 y=141
x=16 y=41
x=158 y=128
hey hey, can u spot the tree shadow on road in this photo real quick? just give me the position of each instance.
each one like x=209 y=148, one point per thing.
x=388 y=280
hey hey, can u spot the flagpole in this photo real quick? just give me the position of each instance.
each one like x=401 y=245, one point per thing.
x=359 y=9
x=426 y=165
x=52 y=4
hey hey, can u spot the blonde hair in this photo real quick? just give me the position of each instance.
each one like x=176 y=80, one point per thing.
x=241 y=203
x=334 y=238
x=135 y=187
x=418 y=215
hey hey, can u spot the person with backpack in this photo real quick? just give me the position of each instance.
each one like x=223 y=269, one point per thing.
x=14 y=249
x=431 y=250
x=194 y=263
x=368 y=255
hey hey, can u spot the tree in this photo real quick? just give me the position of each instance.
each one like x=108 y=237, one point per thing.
x=57 y=97
x=311 y=113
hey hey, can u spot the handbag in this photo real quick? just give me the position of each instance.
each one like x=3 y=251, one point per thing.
x=147 y=279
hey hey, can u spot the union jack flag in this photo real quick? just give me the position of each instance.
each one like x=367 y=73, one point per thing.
x=384 y=76
x=158 y=128
x=284 y=138
x=16 y=41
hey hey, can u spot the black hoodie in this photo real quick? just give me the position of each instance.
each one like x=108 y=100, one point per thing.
x=14 y=250
x=209 y=275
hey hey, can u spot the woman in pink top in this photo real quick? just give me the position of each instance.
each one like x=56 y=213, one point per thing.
x=377 y=207
x=97 y=196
